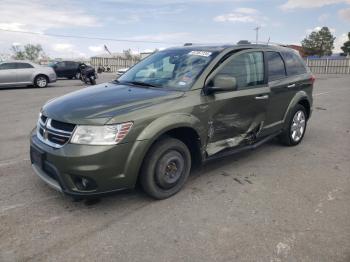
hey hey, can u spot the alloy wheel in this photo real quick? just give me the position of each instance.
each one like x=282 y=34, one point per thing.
x=297 y=128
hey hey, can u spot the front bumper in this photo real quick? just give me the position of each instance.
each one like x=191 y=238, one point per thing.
x=108 y=167
x=52 y=78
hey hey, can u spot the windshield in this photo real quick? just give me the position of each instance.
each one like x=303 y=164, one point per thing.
x=170 y=69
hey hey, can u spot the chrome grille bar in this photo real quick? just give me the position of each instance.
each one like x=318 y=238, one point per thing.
x=50 y=135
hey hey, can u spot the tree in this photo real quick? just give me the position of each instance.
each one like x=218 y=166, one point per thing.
x=29 y=52
x=319 y=42
x=346 y=46
x=128 y=54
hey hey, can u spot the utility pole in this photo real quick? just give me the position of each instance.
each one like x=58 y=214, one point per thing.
x=257 y=33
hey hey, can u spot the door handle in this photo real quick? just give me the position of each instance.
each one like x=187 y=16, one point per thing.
x=261 y=97
x=291 y=86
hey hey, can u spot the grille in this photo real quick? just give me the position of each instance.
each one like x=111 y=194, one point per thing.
x=54 y=133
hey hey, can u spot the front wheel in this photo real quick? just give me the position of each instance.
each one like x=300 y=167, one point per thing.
x=41 y=81
x=296 y=127
x=166 y=168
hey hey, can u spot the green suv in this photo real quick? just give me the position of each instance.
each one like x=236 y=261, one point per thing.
x=173 y=110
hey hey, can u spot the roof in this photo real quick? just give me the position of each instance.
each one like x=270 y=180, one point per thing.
x=18 y=61
x=219 y=48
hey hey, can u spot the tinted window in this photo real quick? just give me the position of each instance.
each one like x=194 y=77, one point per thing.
x=276 y=66
x=247 y=68
x=23 y=65
x=61 y=64
x=5 y=66
x=71 y=64
x=294 y=64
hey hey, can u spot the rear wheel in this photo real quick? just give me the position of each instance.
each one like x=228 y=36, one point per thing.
x=296 y=127
x=166 y=168
x=41 y=81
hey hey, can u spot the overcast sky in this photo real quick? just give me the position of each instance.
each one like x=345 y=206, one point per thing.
x=169 y=21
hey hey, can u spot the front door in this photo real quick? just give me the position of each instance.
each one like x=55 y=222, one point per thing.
x=60 y=69
x=236 y=117
x=25 y=73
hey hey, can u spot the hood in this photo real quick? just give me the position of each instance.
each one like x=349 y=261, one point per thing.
x=98 y=104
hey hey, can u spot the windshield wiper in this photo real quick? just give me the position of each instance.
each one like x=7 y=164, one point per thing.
x=138 y=83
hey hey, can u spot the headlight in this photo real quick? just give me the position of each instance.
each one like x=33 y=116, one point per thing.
x=101 y=135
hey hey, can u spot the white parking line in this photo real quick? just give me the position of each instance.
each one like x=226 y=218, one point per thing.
x=324 y=93
x=13 y=162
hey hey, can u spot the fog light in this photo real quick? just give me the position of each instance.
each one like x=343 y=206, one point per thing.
x=84 y=183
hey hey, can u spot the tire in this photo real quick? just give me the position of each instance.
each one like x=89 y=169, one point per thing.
x=92 y=81
x=166 y=168
x=70 y=78
x=296 y=128
x=41 y=81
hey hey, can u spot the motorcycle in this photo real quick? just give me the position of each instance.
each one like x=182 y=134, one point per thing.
x=101 y=69
x=88 y=74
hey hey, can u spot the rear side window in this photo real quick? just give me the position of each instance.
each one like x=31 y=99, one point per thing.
x=276 y=67
x=294 y=64
x=71 y=64
x=23 y=65
x=5 y=66
x=247 y=68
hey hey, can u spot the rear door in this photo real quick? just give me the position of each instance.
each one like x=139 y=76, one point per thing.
x=286 y=75
x=25 y=73
x=71 y=68
x=236 y=117
x=8 y=76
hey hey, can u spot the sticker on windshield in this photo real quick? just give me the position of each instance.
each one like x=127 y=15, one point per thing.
x=200 y=53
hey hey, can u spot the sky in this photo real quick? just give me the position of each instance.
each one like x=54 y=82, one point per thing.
x=161 y=24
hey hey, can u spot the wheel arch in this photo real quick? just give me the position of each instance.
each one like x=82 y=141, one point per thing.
x=41 y=74
x=184 y=127
x=299 y=98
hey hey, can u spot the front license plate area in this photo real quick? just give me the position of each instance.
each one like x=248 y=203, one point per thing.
x=37 y=157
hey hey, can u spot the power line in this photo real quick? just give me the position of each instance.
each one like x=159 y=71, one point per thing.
x=91 y=38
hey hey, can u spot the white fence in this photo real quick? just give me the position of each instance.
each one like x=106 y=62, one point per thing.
x=114 y=63
x=329 y=66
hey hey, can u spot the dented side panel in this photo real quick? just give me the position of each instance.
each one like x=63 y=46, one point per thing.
x=234 y=117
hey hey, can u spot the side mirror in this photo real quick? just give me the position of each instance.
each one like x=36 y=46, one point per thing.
x=222 y=83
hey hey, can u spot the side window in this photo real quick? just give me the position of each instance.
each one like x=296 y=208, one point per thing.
x=276 y=67
x=23 y=65
x=61 y=65
x=71 y=65
x=247 y=68
x=6 y=66
x=294 y=64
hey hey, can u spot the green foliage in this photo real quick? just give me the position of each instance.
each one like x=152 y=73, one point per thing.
x=319 y=43
x=346 y=46
x=29 y=52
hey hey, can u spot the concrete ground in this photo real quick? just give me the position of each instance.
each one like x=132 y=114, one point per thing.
x=272 y=204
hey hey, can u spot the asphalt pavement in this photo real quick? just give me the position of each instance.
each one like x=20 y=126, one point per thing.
x=273 y=204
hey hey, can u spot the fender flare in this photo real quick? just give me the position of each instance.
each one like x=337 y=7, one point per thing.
x=301 y=95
